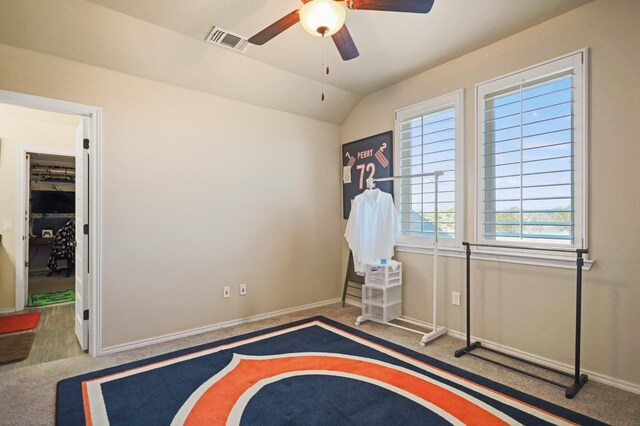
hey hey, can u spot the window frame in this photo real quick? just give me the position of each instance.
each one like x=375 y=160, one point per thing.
x=453 y=99
x=577 y=62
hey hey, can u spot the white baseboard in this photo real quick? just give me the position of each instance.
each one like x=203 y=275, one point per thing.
x=7 y=310
x=110 y=350
x=596 y=377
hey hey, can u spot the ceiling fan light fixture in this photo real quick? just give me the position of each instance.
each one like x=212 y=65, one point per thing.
x=322 y=17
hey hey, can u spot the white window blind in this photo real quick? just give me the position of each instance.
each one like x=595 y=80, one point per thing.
x=531 y=171
x=428 y=141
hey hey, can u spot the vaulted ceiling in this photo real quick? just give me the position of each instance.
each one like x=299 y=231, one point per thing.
x=164 y=40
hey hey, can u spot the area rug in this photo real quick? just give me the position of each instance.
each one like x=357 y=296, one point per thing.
x=19 y=322
x=51 y=298
x=15 y=348
x=312 y=372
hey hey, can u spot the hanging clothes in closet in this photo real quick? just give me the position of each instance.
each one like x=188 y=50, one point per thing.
x=372 y=229
x=63 y=247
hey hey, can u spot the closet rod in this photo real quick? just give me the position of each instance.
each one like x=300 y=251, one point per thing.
x=559 y=250
x=435 y=330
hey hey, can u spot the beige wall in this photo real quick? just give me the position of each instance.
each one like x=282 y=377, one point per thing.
x=199 y=192
x=83 y=31
x=20 y=127
x=532 y=308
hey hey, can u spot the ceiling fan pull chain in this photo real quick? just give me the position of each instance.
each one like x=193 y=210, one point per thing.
x=324 y=63
x=326 y=54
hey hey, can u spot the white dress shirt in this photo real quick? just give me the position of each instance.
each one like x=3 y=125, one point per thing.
x=372 y=229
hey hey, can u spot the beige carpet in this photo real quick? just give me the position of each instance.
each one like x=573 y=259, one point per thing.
x=27 y=395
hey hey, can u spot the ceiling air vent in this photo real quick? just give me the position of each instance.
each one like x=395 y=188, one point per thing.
x=228 y=39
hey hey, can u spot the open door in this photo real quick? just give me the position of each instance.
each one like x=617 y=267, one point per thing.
x=82 y=237
x=27 y=226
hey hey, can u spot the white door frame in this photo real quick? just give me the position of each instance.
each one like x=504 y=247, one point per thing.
x=93 y=113
x=21 y=277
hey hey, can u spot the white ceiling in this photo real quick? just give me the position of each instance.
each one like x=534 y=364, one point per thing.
x=393 y=46
x=164 y=40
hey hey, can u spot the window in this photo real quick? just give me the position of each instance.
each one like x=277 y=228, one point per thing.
x=429 y=139
x=532 y=156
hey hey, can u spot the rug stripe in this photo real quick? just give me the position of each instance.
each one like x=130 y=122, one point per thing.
x=246 y=397
x=446 y=375
x=216 y=404
x=99 y=413
x=455 y=378
x=85 y=404
x=461 y=394
x=94 y=402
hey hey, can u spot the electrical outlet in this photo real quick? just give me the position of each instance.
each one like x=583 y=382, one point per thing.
x=226 y=292
x=455 y=298
x=243 y=289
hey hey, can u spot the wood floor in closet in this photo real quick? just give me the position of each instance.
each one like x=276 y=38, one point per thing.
x=54 y=336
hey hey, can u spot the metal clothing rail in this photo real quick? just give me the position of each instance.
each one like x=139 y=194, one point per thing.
x=578 y=379
x=436 y=331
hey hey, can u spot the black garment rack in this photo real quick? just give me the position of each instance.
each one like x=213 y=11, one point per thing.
x=578 y=379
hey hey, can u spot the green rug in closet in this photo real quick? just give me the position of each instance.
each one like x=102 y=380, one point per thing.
x=51 y=298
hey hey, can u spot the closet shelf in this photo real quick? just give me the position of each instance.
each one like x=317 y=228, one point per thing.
x=52 y=215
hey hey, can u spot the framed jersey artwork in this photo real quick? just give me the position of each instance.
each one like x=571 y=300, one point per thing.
x=371 y=157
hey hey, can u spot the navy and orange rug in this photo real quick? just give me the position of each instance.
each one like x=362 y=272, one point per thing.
x=312 y=372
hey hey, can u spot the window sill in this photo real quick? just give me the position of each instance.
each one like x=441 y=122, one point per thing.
x=499 y=256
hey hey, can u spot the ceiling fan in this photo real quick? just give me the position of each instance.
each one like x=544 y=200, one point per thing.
x=326 y=18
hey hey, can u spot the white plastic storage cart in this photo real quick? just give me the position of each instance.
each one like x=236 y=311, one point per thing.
x=381 y=293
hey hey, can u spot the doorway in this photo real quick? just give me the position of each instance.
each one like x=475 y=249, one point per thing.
x=50 y=223
x=55 y=172
x=50 y=272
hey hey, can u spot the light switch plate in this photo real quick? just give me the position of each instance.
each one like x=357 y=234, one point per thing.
x=7 y=225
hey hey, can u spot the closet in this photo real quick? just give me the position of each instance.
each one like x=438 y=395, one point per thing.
x=51 y=205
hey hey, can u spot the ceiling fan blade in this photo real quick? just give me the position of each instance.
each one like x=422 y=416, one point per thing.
x=411 y=6
x=276 y=28
x=345 y=44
